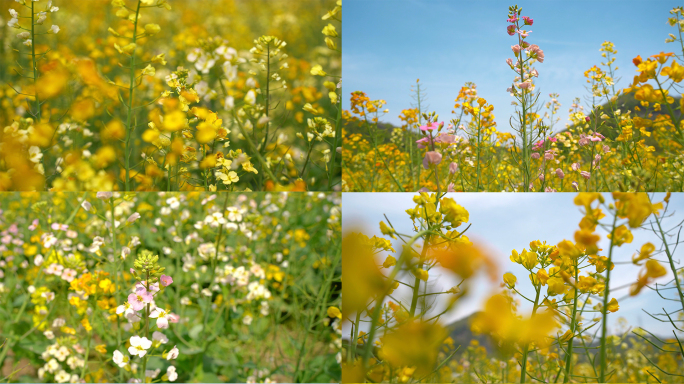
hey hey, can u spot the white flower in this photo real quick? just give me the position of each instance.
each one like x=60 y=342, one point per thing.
x=234 y=214
x=74 y=362
x=173 y=353
x=135 y=216
x=135 y=241
x=62 y=377
x=42 y=16
x=86 y=205
x=247 y=320
x=104 y=195
x=58 y=322
x=119 y=359
x=162 y=318
x=54 y=269
x=139 y=346
x=24 y=36
x=250 y=97
x=215 y=219
x=125 y=251
x=28 y=42
x=49 y=335
x=52 y=366
x=13 y=23
x=14 y=13
x=171 y=373
x=62 y=353
x=152 y=373
x=69 y=274
x=54 y=29
x=160 y=337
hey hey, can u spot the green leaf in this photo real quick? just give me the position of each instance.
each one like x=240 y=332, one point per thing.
x=195 y=331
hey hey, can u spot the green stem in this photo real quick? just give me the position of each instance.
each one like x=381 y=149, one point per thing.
x=573 y=328
x=129 y=127
x=523 y=372
x=604 y=310
x=671 y=261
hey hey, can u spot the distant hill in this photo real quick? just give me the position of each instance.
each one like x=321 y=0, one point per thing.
x=625 y=102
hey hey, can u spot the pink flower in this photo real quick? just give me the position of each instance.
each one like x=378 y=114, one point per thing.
x=528 y=20
x=445 y=138
x=575 y=166
x=453 y=167
x=450 y=188
x=587 y=119
x=516 y=49
x=154 y=287
x=597 y=160
x=424 y=142
x=509 y=61
x=537 y=145
x=69 y=274
x=534 y=73
x=606 y=149
x=585 y=174
x=535 y=51
x=541 y=177
x=423 y=190
x=575 y=186
x=139 y=298
x=430 y=158
x=523 y=33
x=535 y=155
x=166 y=280
x=584 y=140
x=431 y=126
x=173 y=317
x=512 y=19
x=559 y=173
x=34 y=225
x=511 y=30
x=548 y=155
x=524 y=85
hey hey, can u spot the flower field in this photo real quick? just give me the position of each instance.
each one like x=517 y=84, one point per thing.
x=550 y=320
x=162 y=95
x=168 y=286
x=627 y=138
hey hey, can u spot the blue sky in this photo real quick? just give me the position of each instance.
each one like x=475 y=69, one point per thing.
x=505 y=222
x=388 y=44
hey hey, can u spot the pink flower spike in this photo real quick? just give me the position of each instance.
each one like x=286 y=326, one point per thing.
x=166 y=280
